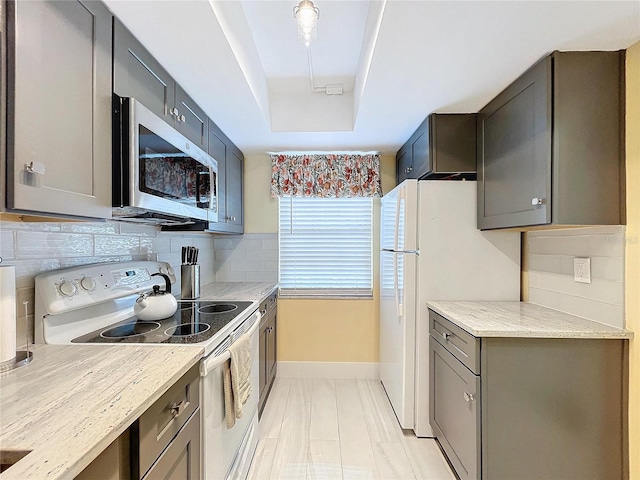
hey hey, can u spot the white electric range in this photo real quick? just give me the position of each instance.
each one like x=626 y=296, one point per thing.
x=93 y=304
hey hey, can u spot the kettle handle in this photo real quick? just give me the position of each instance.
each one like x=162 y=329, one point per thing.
x=167 y=288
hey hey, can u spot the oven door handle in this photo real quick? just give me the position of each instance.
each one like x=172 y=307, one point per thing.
x=211 y=363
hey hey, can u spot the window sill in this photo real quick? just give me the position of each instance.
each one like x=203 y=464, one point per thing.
x=286 y=296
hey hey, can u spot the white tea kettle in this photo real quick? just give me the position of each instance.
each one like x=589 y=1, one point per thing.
x=156 y=305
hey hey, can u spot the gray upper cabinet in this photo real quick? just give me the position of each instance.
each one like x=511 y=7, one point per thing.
x=550 y=145
x=191 y=121
x=230 y=182
x=444 y=145
x=59 y=108
x=235 y=165
x=218 y=142
x=137 y=74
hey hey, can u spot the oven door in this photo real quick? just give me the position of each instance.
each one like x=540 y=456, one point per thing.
x=227 y=452
x=160 y=170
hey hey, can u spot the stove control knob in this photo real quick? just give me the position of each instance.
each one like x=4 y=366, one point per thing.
x=67 y=288
x=88 y=283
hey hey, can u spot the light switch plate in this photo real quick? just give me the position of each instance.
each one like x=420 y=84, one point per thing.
x=582 y=269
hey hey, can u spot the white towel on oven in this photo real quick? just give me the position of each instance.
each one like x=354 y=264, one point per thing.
x=237 y=379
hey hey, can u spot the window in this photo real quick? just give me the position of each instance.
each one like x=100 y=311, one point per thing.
x=325 y=246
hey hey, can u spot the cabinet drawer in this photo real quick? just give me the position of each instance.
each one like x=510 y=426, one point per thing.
x=269 y=304
x=162 y=421
x=182 y=458
x=464 y=346
x=454 y=410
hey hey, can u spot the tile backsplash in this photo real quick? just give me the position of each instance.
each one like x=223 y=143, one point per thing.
x=35 y=247
x=252 y=257
x=551 y=283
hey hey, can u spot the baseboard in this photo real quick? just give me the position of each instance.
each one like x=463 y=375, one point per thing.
x=363 y=370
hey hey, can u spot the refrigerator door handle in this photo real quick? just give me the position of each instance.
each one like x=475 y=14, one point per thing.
x=396 y=229
x=396 y=290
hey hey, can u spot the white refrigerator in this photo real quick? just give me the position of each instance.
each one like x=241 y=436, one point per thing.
x=432 y=250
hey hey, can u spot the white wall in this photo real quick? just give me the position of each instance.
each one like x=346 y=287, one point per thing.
x=551 y=283
x=252 y=257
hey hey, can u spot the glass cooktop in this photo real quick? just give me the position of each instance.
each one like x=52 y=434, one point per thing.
x=193 y=322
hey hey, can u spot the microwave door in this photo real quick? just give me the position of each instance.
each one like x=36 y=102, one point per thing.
x=210 y=200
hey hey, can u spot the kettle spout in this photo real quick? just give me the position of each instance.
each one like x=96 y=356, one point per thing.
x=141 y=301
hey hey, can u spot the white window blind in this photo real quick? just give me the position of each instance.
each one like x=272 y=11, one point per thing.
x=326 y=246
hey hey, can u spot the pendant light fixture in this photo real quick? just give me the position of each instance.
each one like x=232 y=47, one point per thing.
x=306 y=14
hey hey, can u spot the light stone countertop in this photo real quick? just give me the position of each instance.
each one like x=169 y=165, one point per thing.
x=246 y=291
x=72 y=401
x=520 y=319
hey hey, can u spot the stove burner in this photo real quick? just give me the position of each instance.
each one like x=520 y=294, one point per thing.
x=218 y=308
x=186 y=329
x=130 y=329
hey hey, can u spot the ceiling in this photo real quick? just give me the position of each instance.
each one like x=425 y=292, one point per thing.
x=396 y=61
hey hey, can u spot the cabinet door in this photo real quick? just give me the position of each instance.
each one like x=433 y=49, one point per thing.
x=60 y=108
x=234 y=184
x=404 y=163
x=181 y=459
x=420 y=152
x=514 y=153
x=271 y=347
x=454 y=411
x=137 y=74
x=218 y=150
x=263 y=358
x=453 y=142
x=191 y=120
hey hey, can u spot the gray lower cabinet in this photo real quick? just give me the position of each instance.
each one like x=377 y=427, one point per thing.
x=163 y=444
x=59 y=108
x=456 y=416
x=181 y=460
x=137 y=74
x=113 y=463
x=444 y=145
x=550 y=148
x=267 y=350
x=230 y=182
x=165 y=441
x=530 y=408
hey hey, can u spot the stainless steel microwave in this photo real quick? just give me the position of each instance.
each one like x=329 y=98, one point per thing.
x=159 y=176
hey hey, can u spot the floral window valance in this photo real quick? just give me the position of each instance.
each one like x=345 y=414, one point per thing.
x=325 y=175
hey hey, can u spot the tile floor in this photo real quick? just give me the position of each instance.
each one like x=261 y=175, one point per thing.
x=339 y=429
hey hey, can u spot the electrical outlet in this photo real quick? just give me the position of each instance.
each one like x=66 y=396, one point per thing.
x=582 y=269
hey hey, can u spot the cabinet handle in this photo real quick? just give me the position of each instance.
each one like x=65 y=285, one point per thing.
x=35 y=167
x=446 y=336
x=174 y=112
x=178 y=408
x=537 y=201
x=468 y=397
x=182 y=118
